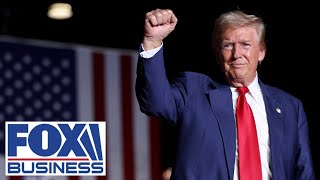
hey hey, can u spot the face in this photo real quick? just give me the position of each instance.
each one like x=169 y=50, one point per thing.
x=240 y=54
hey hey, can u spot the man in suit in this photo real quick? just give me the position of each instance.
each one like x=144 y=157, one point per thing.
x=205 y=113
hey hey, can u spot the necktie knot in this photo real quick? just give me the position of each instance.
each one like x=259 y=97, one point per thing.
x=242 y=90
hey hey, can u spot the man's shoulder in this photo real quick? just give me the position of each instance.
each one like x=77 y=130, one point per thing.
x=277 y=92
x=196 y=81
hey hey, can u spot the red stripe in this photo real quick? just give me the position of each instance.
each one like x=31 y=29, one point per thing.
x=15 y=178
x=98 y=80
x=99 y=94
x=155 y=148
x=73 y=178
x=126 y=84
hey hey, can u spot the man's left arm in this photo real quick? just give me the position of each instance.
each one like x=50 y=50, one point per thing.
x=304 y=163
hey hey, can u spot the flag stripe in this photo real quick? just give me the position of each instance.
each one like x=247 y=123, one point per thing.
x=85 y=89
x=98 y=80
x=2 y=170
x=16 y=178
x=73 y=178
x=114 y=116
x=99 y=98
x=155 y=148
x=127 y=117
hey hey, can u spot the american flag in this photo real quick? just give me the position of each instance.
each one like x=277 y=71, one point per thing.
x=51 y=81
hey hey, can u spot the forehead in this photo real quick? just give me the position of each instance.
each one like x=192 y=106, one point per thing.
x=246 y=32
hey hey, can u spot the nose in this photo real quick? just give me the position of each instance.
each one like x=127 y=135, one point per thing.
x=237 y=51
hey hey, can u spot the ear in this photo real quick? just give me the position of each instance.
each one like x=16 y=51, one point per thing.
x=262 y=54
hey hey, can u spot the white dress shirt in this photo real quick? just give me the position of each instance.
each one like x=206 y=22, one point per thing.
x=255 y=100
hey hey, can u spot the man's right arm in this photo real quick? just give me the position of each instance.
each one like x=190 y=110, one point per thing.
x=154 y=93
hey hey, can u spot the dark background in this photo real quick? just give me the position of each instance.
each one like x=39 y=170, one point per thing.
x=292 y=41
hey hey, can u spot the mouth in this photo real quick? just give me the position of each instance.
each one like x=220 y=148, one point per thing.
x=237 y=65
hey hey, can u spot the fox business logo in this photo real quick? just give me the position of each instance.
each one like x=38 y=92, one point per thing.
x=55 y=148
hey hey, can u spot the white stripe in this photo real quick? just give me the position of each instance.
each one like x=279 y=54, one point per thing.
x=113 y=116
x=141 y=135
x=2 y=169
x=84 y=84
x=85 y=88
x=87 y=178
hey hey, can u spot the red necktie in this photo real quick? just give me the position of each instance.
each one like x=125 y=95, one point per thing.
x=248 y=147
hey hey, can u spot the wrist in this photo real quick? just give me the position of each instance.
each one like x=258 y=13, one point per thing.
x=151 y=43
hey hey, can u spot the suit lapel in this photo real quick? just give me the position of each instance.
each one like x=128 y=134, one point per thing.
x=276 y=130
x=221 y=103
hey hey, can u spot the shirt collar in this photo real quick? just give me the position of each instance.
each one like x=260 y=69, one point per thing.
x=254 y=88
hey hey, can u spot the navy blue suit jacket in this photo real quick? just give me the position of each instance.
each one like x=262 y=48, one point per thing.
x=202 y=112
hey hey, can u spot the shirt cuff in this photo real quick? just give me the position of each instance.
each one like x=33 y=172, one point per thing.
x=150 y=53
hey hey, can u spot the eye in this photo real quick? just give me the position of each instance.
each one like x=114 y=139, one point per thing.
x=246 y=45
x=227 y=46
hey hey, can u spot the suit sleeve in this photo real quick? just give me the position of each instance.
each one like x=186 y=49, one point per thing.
x=155 y=95
x=304 y=160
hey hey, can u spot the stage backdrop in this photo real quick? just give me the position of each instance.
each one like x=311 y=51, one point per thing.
x=51 y=81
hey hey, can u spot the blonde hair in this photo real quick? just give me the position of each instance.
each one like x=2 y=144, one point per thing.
x=237 y=19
